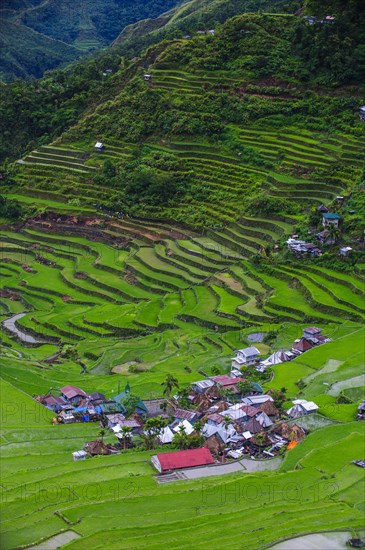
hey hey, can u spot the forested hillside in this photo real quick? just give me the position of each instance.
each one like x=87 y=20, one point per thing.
x=193 y=16
x=39 y=35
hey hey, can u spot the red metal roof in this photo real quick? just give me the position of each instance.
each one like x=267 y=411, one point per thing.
x=185 y=459
x=225 y=380
x=72 y=391
x=303 y=345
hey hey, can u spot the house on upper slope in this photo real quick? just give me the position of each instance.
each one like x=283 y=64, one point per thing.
x=302 y=346
x=99 y=146
x=302 y=407
x=345 y=251
x=330 y=219
x=362 y=113
x=245 y=357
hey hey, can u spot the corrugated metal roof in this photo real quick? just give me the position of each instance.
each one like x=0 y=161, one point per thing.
x=185 y=459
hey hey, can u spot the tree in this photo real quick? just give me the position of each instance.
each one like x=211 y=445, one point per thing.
x=279 y=397
x=153 y=427
x=181 y=439
x=169 y=384
x=334 y=232
x=101 y=434
x=245 y=387
x=260 y=438
x=126 y=435
x=130 y=403
x=183 y=394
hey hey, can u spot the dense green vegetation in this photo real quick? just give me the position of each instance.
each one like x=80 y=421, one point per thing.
x=38 y=36
x=156 y=257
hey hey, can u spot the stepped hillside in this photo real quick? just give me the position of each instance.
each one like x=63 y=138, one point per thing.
x=40 y=35
x=206 y=169
x=165 y=251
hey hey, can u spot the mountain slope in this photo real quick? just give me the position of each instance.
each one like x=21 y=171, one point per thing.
x=190 y=17
x=242 y=118
x=79 y=25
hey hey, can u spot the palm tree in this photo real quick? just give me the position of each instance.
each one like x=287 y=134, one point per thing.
x=169 y=384
x=101 y=434
x=126 y=433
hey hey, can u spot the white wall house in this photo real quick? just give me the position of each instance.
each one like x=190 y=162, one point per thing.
x=245 y=357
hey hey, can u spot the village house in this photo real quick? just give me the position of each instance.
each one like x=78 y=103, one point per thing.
x=256 y=400
x=53 y=403
x=264 y=420
x=227 y=382
x=223 y=432
x=79 y=455
x=330 y=219
x=361 y=411
x=147 y=77
x=301 y=346
x=97 y=398
x=202 y=385
x=99 y=146
x=98 y=447
x=245 y=357
x=362 y=113
x=166 y=462
x=302 y=407
x=165 y=436
x=157 y=407
x=191 y=416
x=322 y=209
x=114 y=419
x=184 y=425
x=72 y=394
x=277 y=357
x=131 y=423
x=303 y=248
x=345 y=251
x=325 y=237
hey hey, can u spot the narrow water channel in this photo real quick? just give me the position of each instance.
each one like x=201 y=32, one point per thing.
x=10 y=325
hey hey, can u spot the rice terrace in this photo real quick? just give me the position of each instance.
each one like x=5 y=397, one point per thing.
x=182 y=295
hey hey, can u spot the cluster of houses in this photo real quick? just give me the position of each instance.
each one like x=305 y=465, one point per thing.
x=229 y=416
x=312 y=337
x=230 y=420
x=325 y=237
x=241 y=425
x=74 y=405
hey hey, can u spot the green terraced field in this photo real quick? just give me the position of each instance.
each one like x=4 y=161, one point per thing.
x=176 y=292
